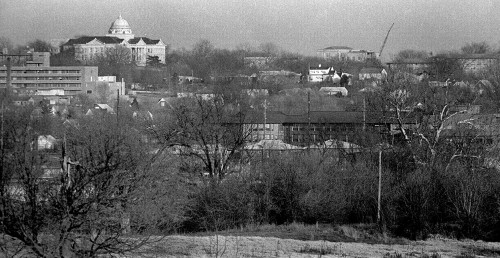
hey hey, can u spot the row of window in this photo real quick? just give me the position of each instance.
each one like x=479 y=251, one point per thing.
x=42 y=71
x=42 y=78
x=312 y=128
x=45 y=85
x=89 y=50
x=262 y=137
x=326 y=128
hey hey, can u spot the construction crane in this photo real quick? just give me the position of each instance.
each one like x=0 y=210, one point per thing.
x=385 y=40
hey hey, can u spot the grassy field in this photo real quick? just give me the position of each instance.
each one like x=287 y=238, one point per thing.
x=310 y=241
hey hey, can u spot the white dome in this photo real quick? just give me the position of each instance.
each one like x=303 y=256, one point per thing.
x=120 y=26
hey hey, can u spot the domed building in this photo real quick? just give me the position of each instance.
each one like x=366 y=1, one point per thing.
x=88 y=48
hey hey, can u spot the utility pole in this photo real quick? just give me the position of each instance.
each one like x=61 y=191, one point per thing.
x=9 y=78
x=265 y=119
x=364 y=113
x=308 y=119
x=67 y=163
x=379 y=184
x=2 y=147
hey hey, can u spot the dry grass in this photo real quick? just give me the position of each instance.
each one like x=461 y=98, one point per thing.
x=298 y=240
x=239 y=246
x=347 y=233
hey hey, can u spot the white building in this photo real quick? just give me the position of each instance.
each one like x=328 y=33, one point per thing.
x=344 y=53
x=88 y=48
x=319 y=74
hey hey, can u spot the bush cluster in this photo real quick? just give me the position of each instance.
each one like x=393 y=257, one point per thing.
x=312 y=187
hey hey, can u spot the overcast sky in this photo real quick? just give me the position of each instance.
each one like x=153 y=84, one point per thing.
x=301 y=26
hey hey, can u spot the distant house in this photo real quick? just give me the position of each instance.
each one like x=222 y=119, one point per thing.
x=328 y=74
x=334 y=91
x=46 y=142
x=163 y=102
x=319 y=73
x=100 y=109
x=376 y=74
x=23 y=100
x=479 y=87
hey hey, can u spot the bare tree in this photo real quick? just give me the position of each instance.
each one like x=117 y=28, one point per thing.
x=76 y=210
x=115 y=61
x=410 y=54
x=118 y=55
x=208 y=131
x=6 y=43
x=40 y=46
x=476 y=48
x=269 y=49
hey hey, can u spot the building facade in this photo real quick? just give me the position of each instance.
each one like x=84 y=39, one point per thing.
x=87 y=49
x=477 y=63
x=376 y=74
x=320 y=126
x=344 y=53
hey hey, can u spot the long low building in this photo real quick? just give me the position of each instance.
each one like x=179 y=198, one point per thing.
x=319 y=126
x=32 y=79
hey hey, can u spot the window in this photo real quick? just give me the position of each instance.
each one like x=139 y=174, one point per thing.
x=89 y=92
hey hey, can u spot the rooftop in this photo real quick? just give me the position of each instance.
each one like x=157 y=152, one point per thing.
x=370 y=70
x=336 y=47
x=87 y=39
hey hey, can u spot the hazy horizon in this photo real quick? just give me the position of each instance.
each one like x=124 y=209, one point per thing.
x=294 y=25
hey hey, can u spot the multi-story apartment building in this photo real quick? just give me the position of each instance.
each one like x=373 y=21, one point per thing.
x=86 y=49
x=31 y=80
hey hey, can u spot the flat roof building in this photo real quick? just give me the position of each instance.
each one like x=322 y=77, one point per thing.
x=31 y=80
